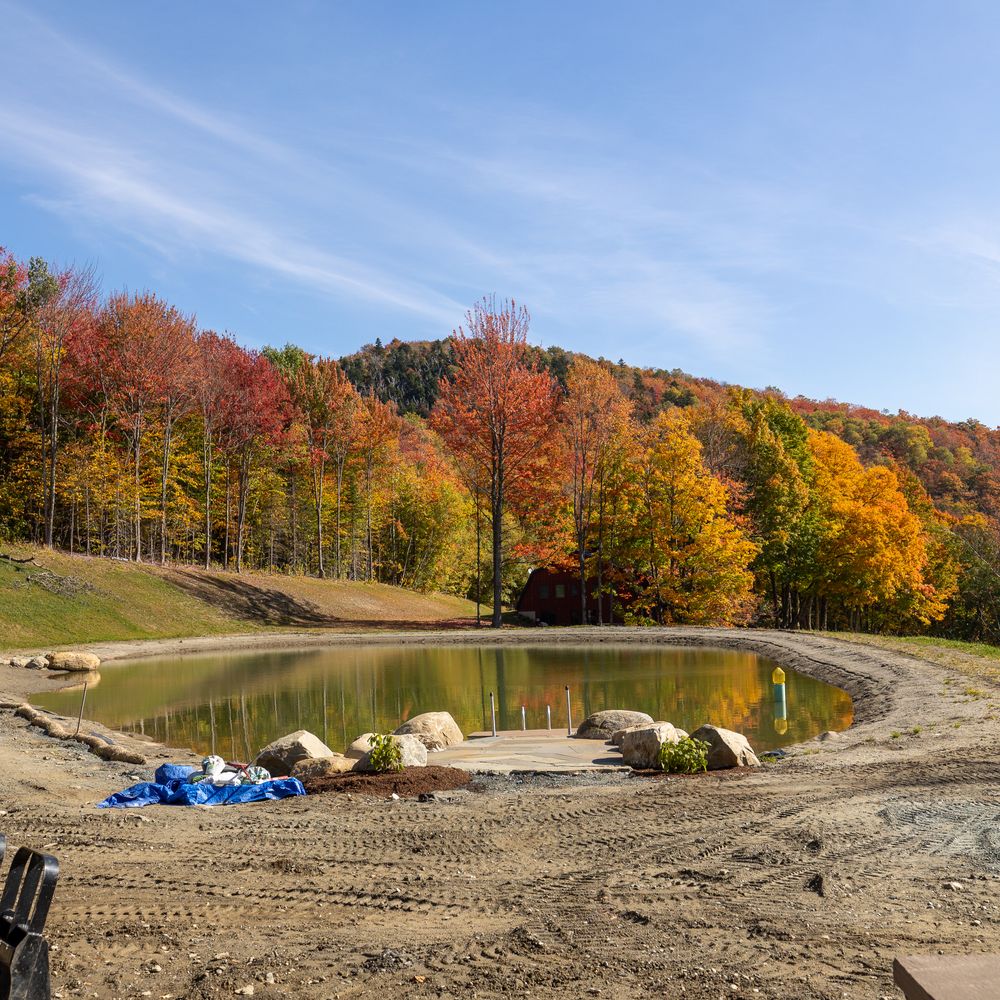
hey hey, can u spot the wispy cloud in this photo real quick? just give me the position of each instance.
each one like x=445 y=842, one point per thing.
x=418 y=224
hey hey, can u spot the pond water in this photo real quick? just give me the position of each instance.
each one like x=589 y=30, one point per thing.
x=235 y=703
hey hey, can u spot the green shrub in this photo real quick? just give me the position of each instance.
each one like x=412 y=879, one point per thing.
x=385 y=754
x=685 y=757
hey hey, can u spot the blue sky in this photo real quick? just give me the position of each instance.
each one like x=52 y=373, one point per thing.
x=804 y=195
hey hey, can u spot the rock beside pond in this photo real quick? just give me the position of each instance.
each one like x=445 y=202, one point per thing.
x=641 y=744
x=360 y=747
x=619 y=737
x=37 y=663
x=283 y=754
x=436 y=730
x=322 y=767
x=73 y=661
x=412 y=753
x=726 y=748
x=601 y=725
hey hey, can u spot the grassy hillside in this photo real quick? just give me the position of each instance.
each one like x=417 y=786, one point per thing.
x=62 y=599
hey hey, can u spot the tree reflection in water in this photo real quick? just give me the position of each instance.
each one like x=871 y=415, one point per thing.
x=235 y=703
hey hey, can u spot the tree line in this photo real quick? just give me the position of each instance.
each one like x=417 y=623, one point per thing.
x=129 y=432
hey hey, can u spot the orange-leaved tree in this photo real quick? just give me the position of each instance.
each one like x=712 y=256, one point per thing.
x=594 y=417
x=498 y=412
x=324 y=400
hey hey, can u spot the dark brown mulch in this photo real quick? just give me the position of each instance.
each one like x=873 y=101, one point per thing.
x=408 y=783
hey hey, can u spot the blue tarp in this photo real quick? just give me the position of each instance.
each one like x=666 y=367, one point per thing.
x=171 y=788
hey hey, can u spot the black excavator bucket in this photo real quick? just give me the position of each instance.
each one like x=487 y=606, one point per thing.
x=24 y=905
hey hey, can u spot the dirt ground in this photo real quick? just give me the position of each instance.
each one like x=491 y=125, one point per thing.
x=800 y=880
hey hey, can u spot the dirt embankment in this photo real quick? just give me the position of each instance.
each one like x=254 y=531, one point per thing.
x=800 y=880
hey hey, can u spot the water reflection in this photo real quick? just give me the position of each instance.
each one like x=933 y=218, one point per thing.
x=235 y=703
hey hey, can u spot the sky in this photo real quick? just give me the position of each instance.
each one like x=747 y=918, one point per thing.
x=799 y=195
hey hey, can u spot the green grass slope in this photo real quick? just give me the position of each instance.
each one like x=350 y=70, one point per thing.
x=61 y=599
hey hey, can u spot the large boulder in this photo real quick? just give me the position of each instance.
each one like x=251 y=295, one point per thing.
x=436 y=730
x=73 y=661
x=360 y=747
x=619 y=737
x=322 y=767
x=726 y=748
x=641 y=744
x=283 y=754
x=412 y=754
x=601 y=725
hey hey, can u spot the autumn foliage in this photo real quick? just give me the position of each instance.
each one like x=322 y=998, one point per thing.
x=127 y=431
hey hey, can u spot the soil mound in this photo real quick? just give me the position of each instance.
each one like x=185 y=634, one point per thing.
x=407 y=784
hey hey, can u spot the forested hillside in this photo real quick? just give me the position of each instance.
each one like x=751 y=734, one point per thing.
x=127 y=431
x=949 y=471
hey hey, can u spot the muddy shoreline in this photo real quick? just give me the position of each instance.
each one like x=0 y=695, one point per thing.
x=801 y=879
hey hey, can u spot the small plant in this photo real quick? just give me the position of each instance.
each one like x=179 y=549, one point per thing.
x=384 y=754
x=895 y=736
x=687 y=756
x=917 y=730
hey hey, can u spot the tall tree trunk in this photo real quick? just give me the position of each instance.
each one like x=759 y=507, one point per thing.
x=497 y=512
x=164 y=476
x=340 y=488
x=318 y=476
x=138 y=501
x=207 y=460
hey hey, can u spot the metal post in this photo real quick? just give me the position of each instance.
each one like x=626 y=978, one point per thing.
x=548 y=716
x=79 y=718
x=524 y=718
x=493 y=713
x=569 y=714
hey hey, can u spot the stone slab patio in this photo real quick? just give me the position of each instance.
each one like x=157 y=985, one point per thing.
x=533 y=751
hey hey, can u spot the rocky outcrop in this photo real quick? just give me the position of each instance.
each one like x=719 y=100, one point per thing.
x=436 y=730
x=641 y=744
x=726 y=748
x=73 y=661
x=601 y=725
x=322 y=767
x=412 y=754
x=283 y=754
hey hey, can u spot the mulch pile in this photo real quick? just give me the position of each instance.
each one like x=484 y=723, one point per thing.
x=408 y=783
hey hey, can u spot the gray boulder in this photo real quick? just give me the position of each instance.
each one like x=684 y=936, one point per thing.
x=19 y=661
x=726 y=748
x=436 y=730
x=641 y=744
x=322 y=767
x=283 y=754
x=412 y=752
x=37 y=663
x=359 y=747
x=619 y=737
x=73 y=661
x=602 y=725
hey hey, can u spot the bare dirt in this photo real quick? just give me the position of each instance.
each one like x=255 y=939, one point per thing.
x=800 y=880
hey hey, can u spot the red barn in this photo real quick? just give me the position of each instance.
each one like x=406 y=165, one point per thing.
x=552 y=596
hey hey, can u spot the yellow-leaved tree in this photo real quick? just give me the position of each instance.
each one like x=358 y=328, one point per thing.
x=872 y=551
x=682 y=555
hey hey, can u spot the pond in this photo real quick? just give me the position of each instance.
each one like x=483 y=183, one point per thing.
x=235 y=703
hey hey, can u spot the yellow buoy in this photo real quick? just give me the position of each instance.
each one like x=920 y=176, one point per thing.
x=778 y=676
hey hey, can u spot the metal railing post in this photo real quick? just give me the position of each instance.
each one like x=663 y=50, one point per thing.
x=569 y=714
